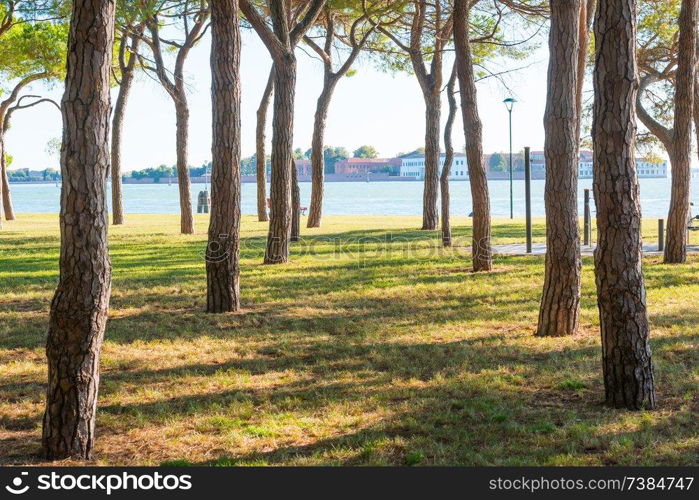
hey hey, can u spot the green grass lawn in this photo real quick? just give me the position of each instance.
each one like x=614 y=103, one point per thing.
x=373 y=346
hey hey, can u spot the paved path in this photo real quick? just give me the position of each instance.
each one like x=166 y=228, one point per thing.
x=540 y=249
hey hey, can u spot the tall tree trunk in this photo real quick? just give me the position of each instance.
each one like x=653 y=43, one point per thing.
x=128 y=67
x=295 y=203
x=621 y=292
x=117 y=127
x=223 y=252
x=317 y=164
x=2 y=177
x=448 y=159
x=277 y=251
x=5 y=112
x=260 y=156
x=473 y=130
x=587 y=14
x=677 y=236
x=330 y=79
x=430 y=210
x=680 y=155
x=175 y=88
x=5 y=182
x=560 y=301
x=183 y=183
x=81 y=302
x=281 y=41
x=696 y=102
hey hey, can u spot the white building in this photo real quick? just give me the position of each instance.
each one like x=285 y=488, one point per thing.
x=645 y=169
x=413 y=165
x=585 y=170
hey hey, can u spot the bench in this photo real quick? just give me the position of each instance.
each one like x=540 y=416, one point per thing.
x=690 y=225
x=269 y=207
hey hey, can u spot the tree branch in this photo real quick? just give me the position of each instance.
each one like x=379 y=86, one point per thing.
x=19 y=105
x=275 y=47
x=663 y=133
x=18 y=88
x=302 y=27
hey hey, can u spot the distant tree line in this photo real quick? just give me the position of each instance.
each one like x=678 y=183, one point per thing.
x=26 y=175
x=500 y=162
x=248 y=166
x=331 y=155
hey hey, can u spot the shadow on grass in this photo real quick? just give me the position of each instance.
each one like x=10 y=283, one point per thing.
x=360 y=315
x=486 y=399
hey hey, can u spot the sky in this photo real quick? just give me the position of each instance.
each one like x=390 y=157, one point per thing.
x=371 y=107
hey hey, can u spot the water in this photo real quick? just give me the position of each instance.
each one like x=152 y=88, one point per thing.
x=350 y=198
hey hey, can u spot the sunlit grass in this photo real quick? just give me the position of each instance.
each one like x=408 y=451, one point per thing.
x=373 y=346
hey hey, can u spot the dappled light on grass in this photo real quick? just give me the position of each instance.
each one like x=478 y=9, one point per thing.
x=374 y=356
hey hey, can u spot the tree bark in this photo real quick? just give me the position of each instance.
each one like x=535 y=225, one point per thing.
x=260 y=156
x=80 y=305
x=696 y=103
x=183 y=182
x=448 y=159
x=277 y=251
x=295 y=203
x=5 y=183
x=317 y=163
x=681 y=147
x=560 y=301
x=223 y=251
x=430 y=194
x=127 y=77
x=473 y=130
x=2 y=177
x=621 y=293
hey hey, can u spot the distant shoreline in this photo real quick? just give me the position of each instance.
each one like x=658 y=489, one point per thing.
x=249 y=179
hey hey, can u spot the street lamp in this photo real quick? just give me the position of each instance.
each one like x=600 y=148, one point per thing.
x=509 y=104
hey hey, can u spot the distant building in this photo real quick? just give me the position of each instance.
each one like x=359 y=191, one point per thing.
x=538 y=163
x=304 y=167
x=586 y=155
x=585 y=165
x=413 y=165
x=653 y=169
x=645 y=169
x=365 y=165
x=537 y=157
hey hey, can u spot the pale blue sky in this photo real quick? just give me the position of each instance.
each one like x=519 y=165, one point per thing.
x=370 y=107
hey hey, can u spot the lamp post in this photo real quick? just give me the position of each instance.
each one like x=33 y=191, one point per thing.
x=509 y=104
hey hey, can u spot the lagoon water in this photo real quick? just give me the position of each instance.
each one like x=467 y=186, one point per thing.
x=353 y=198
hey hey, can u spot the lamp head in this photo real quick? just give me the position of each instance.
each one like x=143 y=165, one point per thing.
x=509 y=103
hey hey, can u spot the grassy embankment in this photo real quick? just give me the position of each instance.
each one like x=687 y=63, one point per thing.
x=386 y=350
